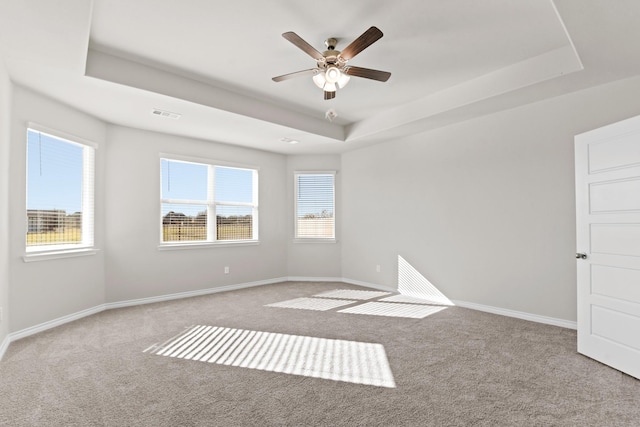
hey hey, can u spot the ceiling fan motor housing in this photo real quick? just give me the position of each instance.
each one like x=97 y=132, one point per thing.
x=331 y=55
x=330 y=58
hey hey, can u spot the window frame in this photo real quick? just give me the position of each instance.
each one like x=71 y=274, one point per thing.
x=310 y=239
x=87 y=245
x=210 y=204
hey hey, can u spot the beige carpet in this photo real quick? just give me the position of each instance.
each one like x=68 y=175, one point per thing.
x=229 y=359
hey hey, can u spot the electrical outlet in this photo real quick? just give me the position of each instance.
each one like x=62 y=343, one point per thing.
x=378 y=268
x=226 y=269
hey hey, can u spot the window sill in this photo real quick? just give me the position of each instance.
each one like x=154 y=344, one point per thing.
x=203 y=245
x=315 y=241
x=58 y=254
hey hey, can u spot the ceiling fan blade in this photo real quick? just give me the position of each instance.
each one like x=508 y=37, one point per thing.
x=309 y=72
x=306 y=47
x=367 y=73
x=329 y=95
x=365 y=40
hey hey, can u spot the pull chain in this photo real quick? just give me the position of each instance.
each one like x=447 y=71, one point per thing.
x=40 y=151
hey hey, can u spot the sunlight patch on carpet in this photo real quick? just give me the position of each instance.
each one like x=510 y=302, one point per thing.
x=338 y=360
x=352 y=294
x=318 y=304
x=391 y=309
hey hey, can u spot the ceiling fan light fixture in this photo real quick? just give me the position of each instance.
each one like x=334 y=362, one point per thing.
x=330 y=87
x=343 y=80
x=331 y=79
x=319 y=80
x=332 y=74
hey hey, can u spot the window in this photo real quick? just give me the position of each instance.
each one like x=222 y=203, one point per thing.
x=60 y=187
x=193 y=194
x=315 y=200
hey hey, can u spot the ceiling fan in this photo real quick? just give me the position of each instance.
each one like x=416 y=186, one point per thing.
x=332 y=71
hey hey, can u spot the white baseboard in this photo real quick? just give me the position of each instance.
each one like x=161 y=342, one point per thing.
x=369 y=285
x=4 y=346
x=108 y=306
x=56 y=322
x=312 y=279
x=189 y=294
x=47 y=325
x=341 y=280
x=518 y=314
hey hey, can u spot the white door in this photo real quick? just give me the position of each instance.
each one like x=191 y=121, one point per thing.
x=608 y=244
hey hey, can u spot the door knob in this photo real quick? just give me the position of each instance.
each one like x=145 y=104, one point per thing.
x=581 y=256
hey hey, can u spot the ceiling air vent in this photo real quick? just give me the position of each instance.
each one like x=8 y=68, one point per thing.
x=167 y=114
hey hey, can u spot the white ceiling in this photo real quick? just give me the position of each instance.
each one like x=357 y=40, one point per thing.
x=212 y=62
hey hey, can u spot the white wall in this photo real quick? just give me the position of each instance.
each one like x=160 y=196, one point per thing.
x=134 y=265
x=45 y=290
x=5 y=137
x=485 y=209
x=313 y=260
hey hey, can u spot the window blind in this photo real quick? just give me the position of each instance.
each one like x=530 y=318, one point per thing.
x=60 y=192
x=315 y=205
